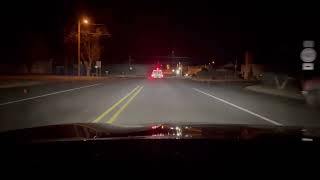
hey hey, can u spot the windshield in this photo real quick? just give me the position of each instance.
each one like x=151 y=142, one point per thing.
x=143 y=63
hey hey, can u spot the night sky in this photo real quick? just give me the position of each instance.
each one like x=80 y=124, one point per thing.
x=273 y=32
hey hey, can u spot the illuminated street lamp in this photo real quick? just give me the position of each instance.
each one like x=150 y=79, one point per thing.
x=84 y=21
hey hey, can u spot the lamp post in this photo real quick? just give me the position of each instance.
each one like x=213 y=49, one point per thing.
x=85 y=21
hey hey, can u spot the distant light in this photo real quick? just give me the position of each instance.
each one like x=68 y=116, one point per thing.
x=179 y=132
x=179 y=68
x=96 y=67
x=85 y=21
x=173 y=70
x=212 y=62
x=177 y=71
x=154 y=127
x=157 y=68
x=130 y=68
x=186 y=74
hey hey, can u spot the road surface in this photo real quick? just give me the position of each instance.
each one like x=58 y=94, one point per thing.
x=131 y=102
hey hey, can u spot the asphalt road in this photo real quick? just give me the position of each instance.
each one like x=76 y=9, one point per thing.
x=130 y=102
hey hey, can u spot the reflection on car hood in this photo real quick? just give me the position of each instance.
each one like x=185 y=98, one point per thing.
x=94 y=131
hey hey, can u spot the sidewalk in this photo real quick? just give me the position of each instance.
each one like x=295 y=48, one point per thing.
x=50 y=77
x=277 y=92
x=31 y=80
x=17 y=83
x=219 y=80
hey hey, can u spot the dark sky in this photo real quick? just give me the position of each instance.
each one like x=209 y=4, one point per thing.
x=201 y=29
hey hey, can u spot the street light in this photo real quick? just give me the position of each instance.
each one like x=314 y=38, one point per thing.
x=85 y=21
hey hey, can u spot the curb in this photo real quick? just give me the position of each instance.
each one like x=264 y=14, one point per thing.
x=223 y=80
x=275 y=92
x=21 y=84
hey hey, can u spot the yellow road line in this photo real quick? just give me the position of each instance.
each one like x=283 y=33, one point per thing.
x=114 y=106
x=116 y=114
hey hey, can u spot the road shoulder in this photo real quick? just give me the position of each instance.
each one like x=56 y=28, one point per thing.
x=276 y=92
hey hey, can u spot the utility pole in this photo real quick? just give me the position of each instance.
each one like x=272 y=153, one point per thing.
x=85 y=22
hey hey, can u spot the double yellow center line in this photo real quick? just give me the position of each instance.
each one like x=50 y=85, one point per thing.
x=132 y=94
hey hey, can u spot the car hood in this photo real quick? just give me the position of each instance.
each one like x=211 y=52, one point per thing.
x=95 y=131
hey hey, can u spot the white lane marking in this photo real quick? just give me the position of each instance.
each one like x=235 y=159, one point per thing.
x=241 y=108
x=49 y=94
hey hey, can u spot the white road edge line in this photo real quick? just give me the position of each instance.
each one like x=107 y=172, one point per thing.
x=49 y=94
x=241 y=108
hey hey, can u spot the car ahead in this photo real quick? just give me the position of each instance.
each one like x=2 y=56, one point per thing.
x=175 y=145
x=157 y=73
